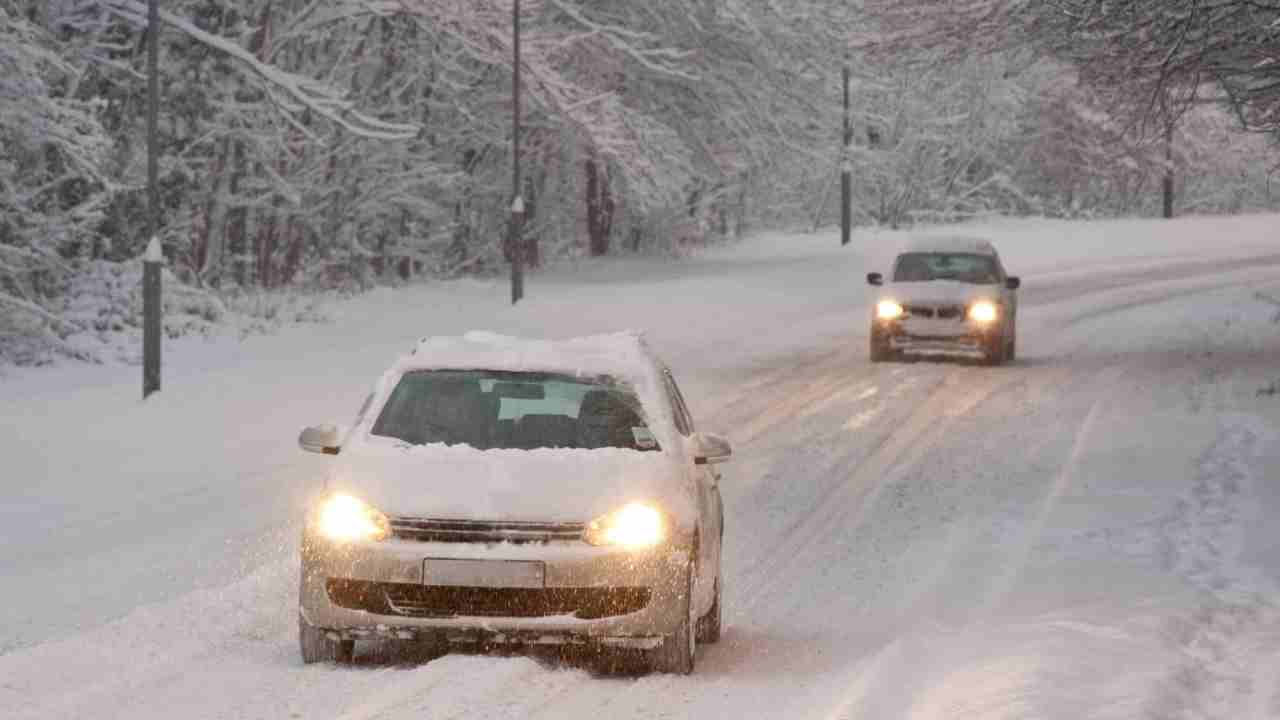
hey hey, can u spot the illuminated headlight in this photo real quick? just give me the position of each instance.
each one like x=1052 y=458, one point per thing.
x=635 y=527
x=984 y=311
x=343 y=518
x=888 y=310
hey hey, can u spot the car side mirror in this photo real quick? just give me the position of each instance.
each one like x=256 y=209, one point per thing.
x=710 y=449
x=323 y=439
x=1013 y=283
x=875 y=279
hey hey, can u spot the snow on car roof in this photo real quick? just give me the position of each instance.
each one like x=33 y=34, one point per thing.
x=623 y=354
x=951 y=244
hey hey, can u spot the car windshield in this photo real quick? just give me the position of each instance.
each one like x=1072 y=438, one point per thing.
x=961 y=267
x=514 y=410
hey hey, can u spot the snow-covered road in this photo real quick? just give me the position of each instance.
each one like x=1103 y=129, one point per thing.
x=1087 y=533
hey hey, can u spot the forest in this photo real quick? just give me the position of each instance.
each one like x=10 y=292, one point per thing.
x=313 y=146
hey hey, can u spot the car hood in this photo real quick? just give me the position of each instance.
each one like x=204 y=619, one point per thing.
x=544 y=485
x=940 y=291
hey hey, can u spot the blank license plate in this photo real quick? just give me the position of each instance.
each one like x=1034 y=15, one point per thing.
x=483 y=573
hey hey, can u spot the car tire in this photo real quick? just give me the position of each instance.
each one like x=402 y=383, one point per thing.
x=996 y=351
x=676 y=653
x=317 y=646
x=880 y=351
x=1012 y=353
x=709 y=624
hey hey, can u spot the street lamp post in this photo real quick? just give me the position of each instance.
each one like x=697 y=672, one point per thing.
x=154 y=259
x=516 y=243
x=846 y=165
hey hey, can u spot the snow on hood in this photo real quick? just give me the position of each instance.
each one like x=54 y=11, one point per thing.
x=940 y=291
x=547 y=485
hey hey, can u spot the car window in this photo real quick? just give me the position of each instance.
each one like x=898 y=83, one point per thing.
x=684 y=420
x=514 y=410
x=960 y=267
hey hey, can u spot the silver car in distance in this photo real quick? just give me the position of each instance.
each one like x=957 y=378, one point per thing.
x=500 y=490
x=948 y=296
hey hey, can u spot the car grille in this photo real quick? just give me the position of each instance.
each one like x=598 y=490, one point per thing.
x=428 y=601
x=942 y=312
x=475 y=531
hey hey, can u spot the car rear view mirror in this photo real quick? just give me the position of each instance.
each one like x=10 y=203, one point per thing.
x=1013 y=283
x=520 y=391
x=875 y=279
x=323 y=439
x=710 y=449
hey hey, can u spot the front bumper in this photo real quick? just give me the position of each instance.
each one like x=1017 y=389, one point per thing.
x=588 y=594
x=939 y=337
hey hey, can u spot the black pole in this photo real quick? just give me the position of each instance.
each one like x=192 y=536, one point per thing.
x=151 y=309
x=1166 y=184
x=517 y=202
x=846 y=171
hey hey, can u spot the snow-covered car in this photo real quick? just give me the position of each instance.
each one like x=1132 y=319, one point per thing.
x=495 y=489
x=947 y=295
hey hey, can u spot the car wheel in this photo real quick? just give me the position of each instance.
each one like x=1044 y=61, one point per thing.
x=880 y=351
x=996 y=351
x=1012 y=353
x=709 y=624
x=317 y=647
x=676 y=653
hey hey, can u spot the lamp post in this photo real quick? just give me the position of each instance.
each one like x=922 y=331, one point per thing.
x=517 y=204
x=154 y=259
x=846 y=164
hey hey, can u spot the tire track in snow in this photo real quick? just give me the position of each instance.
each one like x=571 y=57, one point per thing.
x=922 y=652
x=1219 y=641
x=864 y=479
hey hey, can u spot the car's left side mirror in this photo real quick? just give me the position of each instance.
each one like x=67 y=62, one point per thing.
x=875 y=279
x=710 y=449
x=323 y=439
x=1013 y=283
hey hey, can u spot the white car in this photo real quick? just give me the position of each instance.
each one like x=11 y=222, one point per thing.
x=501 y=490
x=947 y=295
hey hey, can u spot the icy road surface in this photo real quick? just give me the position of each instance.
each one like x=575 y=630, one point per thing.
x=1090 y=532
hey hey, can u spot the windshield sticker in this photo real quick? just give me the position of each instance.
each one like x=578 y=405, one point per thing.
x=644 y=438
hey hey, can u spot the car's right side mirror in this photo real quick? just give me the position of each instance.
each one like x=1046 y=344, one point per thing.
x=1013 y=283
x=875 y=279
x=710 y=449
x=323 y=439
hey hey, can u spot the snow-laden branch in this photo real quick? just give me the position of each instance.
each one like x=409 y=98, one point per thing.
x=305 y=92
x=663 y=60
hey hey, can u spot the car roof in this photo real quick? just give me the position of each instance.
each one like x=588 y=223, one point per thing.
x=623 y=354
x=950 y=244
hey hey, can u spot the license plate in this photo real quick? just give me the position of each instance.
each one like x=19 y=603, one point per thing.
x=483 y=573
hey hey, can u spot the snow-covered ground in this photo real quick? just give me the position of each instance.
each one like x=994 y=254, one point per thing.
x=1085 y=533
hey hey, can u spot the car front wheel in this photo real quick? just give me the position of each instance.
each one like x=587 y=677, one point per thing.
x=997 y=350
x=317 y=647
x=709 y=624
x=676 y=653
x=880 y=350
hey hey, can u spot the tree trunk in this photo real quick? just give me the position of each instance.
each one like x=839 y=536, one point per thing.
x=599 y=209
x=238 y=217
x=215 y=217
x=265 y=247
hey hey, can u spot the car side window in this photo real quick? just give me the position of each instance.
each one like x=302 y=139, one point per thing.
x=684 y=421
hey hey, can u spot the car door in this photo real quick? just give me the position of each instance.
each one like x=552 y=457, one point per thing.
x=710 y=505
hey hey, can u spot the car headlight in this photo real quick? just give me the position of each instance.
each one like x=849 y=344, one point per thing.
x=984 y=311
x=343 y=518
x=888 y=310
x=634 y=527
